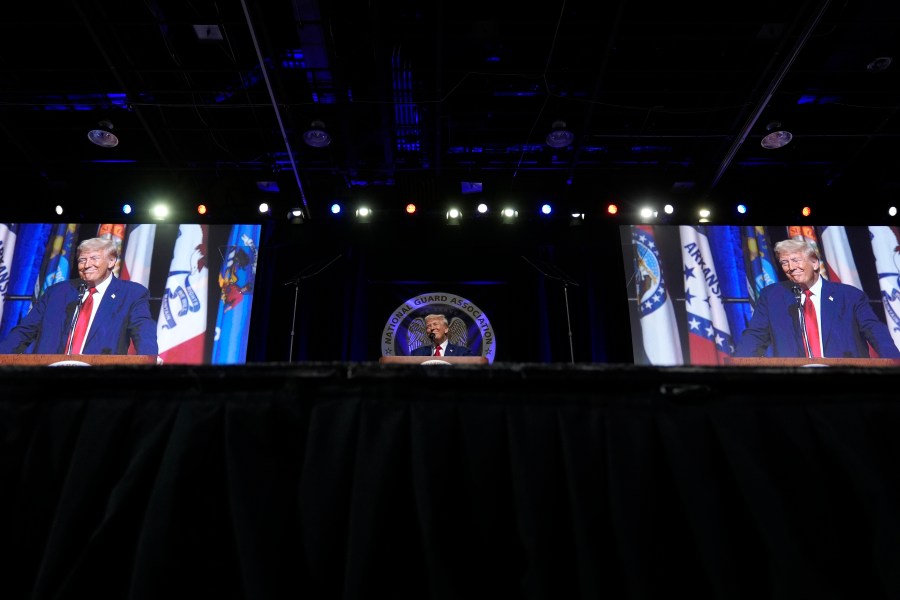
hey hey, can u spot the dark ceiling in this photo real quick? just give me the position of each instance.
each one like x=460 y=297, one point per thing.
x=666 y=101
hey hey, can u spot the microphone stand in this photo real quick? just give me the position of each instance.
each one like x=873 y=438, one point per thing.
x=82 y=288
x=295 y=281
x=803 y=334
x=566 y=281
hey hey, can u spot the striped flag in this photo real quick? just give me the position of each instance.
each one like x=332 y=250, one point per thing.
x=236 y=281
x=8 y=233
x=181 y=329
x=659 y=329
x=138 y=253
x=886 y=248
x=841 y=267
x=709 y=335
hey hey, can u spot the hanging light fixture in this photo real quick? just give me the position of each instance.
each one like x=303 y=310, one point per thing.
x=317 y=137
x=103 y=136
x=560 y=137
x=777 y=137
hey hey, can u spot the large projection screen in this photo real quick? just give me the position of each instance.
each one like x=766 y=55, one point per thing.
x=200 y=277
x=692 y=288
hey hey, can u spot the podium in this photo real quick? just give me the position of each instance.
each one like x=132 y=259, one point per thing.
x=810 y=362
x=418 y=360
x=75 y=360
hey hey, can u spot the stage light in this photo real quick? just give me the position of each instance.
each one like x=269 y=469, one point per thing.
x=777 y=137
x=648 y=213
x=295 y=216
x=742 y=209
x=201 y=209
x=508 y=215
x=159 y=211
x=806 y=211
x=546 y=209
x=103 y=135
x=316 y=136
x=482 y=208
x=335 y=209
x=454 y=216
x=363 y=213
x=612 y=209
x=892 y=211
x=263 y=208
x=704 y=213
x=59 y=209
x=668 y=209
x=410 y=209
x=126 y=209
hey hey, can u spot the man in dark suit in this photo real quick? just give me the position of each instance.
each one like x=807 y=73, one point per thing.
x=119 y=311
x=437 y=327
x=843 y=322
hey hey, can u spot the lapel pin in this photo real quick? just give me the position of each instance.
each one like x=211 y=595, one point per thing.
x=113 y=296
x=831 y=298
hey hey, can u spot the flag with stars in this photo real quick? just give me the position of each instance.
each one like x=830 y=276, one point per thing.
x=709 y=335
x=659 y=328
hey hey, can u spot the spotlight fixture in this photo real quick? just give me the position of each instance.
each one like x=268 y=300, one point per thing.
x=295 y=216
x=879 y=64
x=777 y=137
x=317 y=137
x=560 y=137
x=103 y=136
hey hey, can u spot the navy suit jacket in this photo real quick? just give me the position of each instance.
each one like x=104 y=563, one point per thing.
x=847 y=318
x=452 y=350
x=123 y=316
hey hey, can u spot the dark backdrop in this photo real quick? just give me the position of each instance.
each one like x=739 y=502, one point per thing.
x=353 y=276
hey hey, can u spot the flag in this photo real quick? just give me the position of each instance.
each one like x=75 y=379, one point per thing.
x=709 y=335
x=138 y=253
x=886 y=248
x=8 y=233
x=840 y=267
x=115 y=232
x=55 y=266
x=31 y=239
x=181 y=329
x=236 y=280
x=759 y=261
x=659 y=329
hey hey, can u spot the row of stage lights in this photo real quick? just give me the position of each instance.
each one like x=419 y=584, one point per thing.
x=161 y=211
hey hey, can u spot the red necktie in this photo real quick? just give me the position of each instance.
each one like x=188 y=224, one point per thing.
x=437 y=350
x=84 y=317
x=812 y=325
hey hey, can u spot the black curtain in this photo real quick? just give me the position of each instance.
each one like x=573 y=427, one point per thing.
x=381 y=481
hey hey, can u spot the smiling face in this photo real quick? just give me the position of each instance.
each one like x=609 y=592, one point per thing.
x=438 y=327
x=800 y=268
x=94 y=265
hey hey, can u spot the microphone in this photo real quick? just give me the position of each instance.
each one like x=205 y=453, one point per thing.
x=797 y=291
x=431 y=336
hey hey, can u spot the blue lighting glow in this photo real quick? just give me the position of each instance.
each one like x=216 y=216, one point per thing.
x=742 y=209
x=126 y=208
x=546 y=209
x=335 y=209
